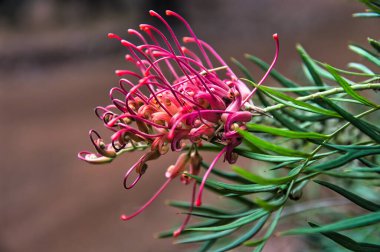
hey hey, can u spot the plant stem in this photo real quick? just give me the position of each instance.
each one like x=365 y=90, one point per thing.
x=324 y=93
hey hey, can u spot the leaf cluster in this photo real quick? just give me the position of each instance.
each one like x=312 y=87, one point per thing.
x=322 y=134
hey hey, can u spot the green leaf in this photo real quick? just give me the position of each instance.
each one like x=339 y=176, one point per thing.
x=257 y=214
x=310 y=65
x=285 y=133
x=375 y=44
x=348 y=223
x=272 y=227
x=226 y=215
x=303 y=117
x=370 y=130
x=350 y=175
x=186 y=205
x=265 y=157
x=207 y=245
x=204 y=237
x=352 y=153
x=341 y=71
x=283 y=165
x=349 y=243
x=243 y=69
x=361 y=67
x=169 y=233
x=345 y=100
x=366 y=204
x=269 y=146
x=364 y=169
x=278 y=202
x=226 y=175
x=368 y=163
x=241 y=199
x=261 y=180
x=244 y=237
x=238 y=189
x=272 y=205
x=367 y=14
x=352 y=147
x=303 y=88
x=365 y=54
x=348 y=89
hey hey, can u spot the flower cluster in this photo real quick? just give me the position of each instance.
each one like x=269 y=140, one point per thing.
x=177 y=98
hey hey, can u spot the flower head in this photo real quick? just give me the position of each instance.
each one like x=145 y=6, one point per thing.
x=177 y=97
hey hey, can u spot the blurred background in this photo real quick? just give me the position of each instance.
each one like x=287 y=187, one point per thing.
x=56 y=65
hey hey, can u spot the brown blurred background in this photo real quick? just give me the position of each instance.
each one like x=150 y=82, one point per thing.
x=56 y=65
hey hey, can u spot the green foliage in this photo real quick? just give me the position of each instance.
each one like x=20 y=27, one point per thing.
x=326 y=128
x=366 y=204
x=349 y=243
x=348 y=223
x=373 y=9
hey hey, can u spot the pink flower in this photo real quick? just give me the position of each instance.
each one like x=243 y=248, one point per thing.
x=193 y=97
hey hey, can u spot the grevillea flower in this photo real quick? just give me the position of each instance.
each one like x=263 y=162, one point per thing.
x=178 y=97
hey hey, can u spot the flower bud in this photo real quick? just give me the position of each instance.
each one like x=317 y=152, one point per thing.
x=142 y=166
x=195 y=163
x=185 y=179
x=174 y=170
x=104 y=149
x=93 y=158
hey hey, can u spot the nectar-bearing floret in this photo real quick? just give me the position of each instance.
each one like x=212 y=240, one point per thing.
x=193 y=97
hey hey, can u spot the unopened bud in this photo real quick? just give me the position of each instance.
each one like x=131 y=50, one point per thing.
x=94 y=158
x=104 y=149
x=185 y=179
x=174 y=170
x=235 y=126
x=195 y=163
